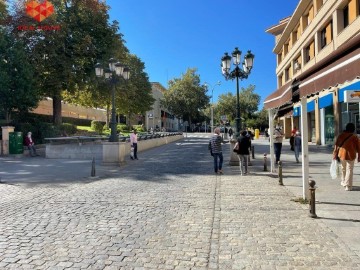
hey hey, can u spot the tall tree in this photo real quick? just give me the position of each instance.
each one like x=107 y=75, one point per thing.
x=249 y=102
x=186 y=97
x=134 y=96
x=65 y=59
x=17 y=83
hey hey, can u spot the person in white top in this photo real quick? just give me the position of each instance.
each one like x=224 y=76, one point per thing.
x=133 y=141
x=278 y=138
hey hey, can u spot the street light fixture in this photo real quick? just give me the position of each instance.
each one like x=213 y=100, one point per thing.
x=212 y=102
x=112 y=74
x=237 y=73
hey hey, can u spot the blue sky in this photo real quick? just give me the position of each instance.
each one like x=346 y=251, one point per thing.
x=171 y=36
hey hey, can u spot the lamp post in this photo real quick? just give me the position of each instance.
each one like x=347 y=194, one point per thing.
x=212 y=102
x=113 y=74
x=237 y=73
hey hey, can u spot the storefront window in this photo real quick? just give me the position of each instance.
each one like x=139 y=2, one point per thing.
x=329 y=125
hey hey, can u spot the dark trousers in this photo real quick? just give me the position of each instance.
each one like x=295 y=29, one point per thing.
x=277 y=148
x=135 y=150
x=218 y=161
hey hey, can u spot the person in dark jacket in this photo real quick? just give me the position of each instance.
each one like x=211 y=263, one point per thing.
x=243 y=152
x=216 y=150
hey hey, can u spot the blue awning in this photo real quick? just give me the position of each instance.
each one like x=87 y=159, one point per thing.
x=353 y=86
x=326 y=101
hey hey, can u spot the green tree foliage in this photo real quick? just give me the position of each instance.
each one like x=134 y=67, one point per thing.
x=17 y=82
x=65 y=59
x=249 y=103
x=186 y=97
x=134 y=96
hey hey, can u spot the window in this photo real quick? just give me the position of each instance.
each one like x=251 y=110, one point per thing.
x=280 y=80
x=326 y=35
x=294 y=36
x=279 y=57
x=318 y=4
x=310 y=15
x=309 y=52
x=287 y=74
x=346 y=16
x=286 y=48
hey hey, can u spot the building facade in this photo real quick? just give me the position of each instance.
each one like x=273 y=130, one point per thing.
x=159 y=118
x=318 y=58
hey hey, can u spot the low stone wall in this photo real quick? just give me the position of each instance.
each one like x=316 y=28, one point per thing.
x=118 y=153
x=110 y=153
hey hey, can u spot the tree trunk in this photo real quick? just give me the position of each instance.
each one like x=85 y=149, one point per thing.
x=57 y=118
x=7 y=116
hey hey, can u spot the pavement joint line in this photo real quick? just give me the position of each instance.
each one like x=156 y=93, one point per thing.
x=214 y=250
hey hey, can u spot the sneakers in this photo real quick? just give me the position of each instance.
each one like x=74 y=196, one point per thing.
x=348 y=188
x=220 y=171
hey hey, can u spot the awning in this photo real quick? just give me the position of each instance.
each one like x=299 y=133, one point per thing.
x=344 y=69
x=280 y=97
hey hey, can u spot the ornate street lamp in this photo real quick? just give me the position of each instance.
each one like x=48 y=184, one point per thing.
x=238 y=73
x=113 y=74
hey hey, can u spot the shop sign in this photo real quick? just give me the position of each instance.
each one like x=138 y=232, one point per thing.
x=352 y=96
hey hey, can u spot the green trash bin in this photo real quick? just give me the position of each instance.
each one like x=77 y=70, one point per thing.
x=16 y=145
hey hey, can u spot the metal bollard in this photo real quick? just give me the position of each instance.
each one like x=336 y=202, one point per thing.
x=265 y=163
x=253 y=151
x=280 y=174
x=93 y=168
x=312 y=189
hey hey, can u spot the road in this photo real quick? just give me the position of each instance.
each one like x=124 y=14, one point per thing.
x=168 y=210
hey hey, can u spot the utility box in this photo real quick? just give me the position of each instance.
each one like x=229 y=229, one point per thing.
x=257 y=133
x=16 y=145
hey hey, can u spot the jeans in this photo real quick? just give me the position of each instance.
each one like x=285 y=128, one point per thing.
x=218 y=161
x=32 y=150
x=297 y=152
x=277 y=148
x=243 y=162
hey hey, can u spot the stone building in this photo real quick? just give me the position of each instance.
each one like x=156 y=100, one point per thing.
x=159 y=118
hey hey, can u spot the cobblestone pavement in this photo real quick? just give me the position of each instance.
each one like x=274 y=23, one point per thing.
x=166 y=211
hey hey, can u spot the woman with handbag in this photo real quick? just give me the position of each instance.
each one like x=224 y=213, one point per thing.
x=243 y=151
x=346 y=147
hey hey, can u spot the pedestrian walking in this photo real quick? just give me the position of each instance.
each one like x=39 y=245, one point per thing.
x=243 y=152
x=216 y=149
x=29 y=142
x=278 y=139
x=297 y=145
x=346 y=147
x=231 y=132
x=134 y=142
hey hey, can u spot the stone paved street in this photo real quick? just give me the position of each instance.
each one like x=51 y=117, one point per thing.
x=165 y=211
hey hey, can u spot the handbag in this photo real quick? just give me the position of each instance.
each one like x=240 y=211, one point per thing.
x=236 y=147
x=337 y=150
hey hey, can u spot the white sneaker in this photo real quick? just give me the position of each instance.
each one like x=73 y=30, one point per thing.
x=347 y=188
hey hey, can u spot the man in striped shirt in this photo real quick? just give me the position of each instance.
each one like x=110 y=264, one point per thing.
x=216 y=149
